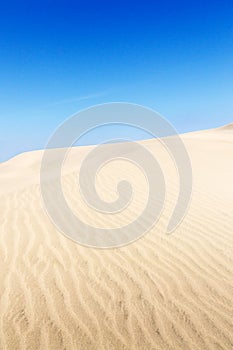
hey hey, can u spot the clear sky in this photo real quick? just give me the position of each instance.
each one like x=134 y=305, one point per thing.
x=57 y=57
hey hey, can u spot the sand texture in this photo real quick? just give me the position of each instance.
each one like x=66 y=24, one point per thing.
x=161 y=292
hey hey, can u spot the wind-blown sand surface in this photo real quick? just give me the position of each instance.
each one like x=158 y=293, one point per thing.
x=161 y=292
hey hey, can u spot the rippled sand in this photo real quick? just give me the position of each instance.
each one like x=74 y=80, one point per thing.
x=161 y=292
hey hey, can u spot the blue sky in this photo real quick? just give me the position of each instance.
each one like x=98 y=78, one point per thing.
x=58 y=57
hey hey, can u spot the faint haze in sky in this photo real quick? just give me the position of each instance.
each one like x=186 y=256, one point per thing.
x=59 y=57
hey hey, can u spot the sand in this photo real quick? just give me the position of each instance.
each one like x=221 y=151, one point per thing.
x=161 y=292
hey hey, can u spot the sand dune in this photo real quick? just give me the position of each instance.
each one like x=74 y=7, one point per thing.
x=161 y=292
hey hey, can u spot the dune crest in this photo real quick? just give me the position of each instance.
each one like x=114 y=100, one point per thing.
x=227 y=127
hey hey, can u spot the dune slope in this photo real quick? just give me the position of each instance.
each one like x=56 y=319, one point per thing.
x=161 y=292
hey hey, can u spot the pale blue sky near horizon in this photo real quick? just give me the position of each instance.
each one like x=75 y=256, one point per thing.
x=175 y=57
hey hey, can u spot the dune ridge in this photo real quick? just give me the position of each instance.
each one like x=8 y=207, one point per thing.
x=160 y=292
